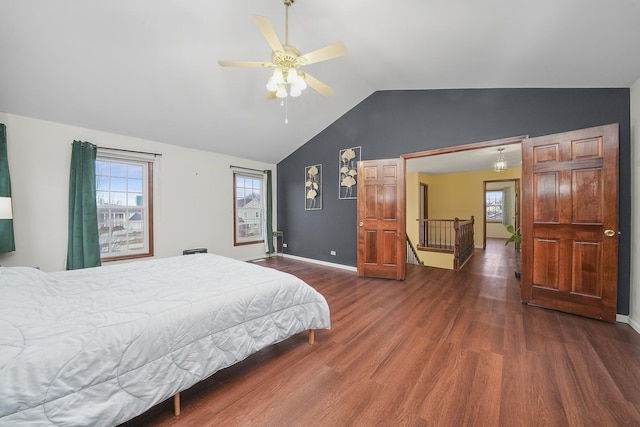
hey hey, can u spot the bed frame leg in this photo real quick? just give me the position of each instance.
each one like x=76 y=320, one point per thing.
x=176 y=404
x=312 y=337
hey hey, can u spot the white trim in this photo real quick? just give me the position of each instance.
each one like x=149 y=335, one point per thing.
x=312 y=261
x=633 y=323
x=325 y=263
x=621 y=318
x=263 y=214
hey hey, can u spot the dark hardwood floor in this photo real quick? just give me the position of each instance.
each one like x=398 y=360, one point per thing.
x=441 y=348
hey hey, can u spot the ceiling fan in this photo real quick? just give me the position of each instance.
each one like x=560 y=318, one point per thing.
x=288 y=61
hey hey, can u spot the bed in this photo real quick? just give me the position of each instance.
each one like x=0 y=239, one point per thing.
x=102 y=345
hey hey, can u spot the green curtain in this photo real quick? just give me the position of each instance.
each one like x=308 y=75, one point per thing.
x=84 y=247
x=7 y=241
x=269 y=215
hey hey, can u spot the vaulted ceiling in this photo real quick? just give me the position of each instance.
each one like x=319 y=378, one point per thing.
x=148 y=68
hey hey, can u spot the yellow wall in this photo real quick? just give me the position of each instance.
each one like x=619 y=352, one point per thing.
x=451 y=195
x=413 y=181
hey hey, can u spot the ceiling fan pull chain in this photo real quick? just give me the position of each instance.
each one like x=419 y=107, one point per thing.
x=286 y=110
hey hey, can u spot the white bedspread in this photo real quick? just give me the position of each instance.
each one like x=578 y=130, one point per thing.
x=97 y=347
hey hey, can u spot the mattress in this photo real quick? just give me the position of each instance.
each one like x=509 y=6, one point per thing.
x=101 y=345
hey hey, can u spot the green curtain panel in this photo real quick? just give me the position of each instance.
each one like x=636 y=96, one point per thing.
x=269 y=213
x=7 y=240
x=84 y=247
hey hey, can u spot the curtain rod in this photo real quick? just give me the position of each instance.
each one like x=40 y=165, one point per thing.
x=126 y=151
x=129 y=151
x=248 y=169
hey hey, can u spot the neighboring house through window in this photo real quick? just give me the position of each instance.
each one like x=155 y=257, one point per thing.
x=495 y=205
x=124 y=197
x=248 y=208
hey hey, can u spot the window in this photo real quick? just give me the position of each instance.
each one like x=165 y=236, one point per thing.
x=125 y=207
x=248 y=209
x=494 y=203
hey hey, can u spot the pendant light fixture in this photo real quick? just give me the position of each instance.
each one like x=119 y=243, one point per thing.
x=501 y=164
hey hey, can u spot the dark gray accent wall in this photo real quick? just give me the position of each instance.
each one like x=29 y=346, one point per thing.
x=389 y=124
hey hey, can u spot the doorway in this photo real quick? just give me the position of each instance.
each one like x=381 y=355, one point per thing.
x=458 y=175
x=570 y=224
x=501 y=208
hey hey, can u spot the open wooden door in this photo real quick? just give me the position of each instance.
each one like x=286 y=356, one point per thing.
x=570 y=222
x=381 y=219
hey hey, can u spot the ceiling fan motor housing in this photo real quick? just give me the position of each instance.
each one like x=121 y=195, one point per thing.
x=290 y=58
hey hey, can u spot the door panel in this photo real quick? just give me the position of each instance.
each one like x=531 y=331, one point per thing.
x=546 y=190
x=587 y=196
x=546 y=265
x=570 y=200
x=381 y=219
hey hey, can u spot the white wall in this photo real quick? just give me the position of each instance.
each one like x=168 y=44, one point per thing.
x=634 y=303
x=193 y=194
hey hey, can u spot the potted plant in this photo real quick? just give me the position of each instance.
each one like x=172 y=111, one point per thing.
x=516 y=238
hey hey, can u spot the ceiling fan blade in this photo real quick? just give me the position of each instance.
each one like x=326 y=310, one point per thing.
x=245 y=64
x=323 y=88
x=268 y=32
x=271 y=96
x=327 y=52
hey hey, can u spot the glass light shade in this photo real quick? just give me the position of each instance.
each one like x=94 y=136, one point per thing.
x=300 y=84
x=6 y=211
x=271 y=85
x=281 y=92
x=295 y=92
x=292 y=76
x=500 y=165
x=277 y=76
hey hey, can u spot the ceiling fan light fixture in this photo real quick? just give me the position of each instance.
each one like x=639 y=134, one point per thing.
x=501 y=164
x=281 y=92
x=287 y=61
x=292 y=76
x=300 y=85
x=277 y=76
x=294 y=92
x=272 y=86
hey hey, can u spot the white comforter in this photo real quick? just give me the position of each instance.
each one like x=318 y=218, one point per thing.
x=99 y=346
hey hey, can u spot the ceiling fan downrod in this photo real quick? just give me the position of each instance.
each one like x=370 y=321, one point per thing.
x=287 y=3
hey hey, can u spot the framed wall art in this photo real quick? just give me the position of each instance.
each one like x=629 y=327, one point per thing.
x=348 y=173
x=313 y=187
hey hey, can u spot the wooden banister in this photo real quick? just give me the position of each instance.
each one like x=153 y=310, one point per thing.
x=448 y=235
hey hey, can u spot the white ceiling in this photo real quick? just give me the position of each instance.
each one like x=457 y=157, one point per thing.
x=148 y=68
x=466 y=161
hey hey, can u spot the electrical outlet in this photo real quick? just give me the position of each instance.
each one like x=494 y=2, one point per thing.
x=284 y=245
x=333 y=253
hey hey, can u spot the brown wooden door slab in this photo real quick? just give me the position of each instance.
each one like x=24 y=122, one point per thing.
x=570 y=221
x=381 y=219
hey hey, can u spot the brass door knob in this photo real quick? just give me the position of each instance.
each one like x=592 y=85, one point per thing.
x=609 y=233
x=361 y=223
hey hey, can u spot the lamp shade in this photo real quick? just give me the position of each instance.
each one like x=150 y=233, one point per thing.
x=6 y=212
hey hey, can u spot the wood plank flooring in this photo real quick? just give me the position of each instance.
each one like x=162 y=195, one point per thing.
x=441 y=348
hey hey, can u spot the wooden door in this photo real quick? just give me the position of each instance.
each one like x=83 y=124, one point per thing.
x=570 y=222
x=381 y=219
x=516 y=211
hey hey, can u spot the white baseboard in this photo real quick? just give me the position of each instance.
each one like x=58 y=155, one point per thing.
x=621 y=318
x=325 y=263
x=634 y=324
